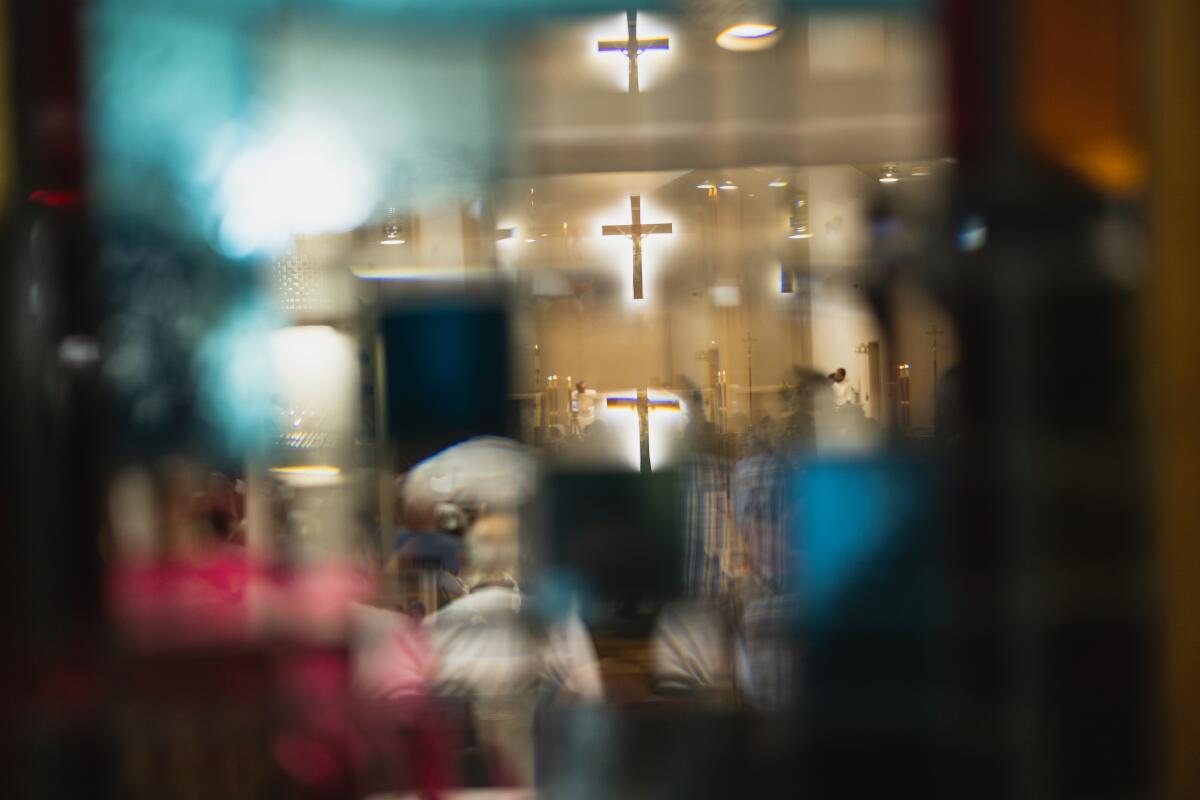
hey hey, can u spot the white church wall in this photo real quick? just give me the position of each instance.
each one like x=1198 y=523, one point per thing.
x=840 y=317
x=918 y=315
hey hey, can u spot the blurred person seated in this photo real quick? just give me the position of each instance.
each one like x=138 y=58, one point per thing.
x=390 y=653
x=426 y=549
x=437 y=501
x=728 y=641
x=759 y=486
x=691 y=653
x=223 y=502
x=692 y=645
x=178 y=576
x=503 y=663
x=708 y=522
x=766 y=654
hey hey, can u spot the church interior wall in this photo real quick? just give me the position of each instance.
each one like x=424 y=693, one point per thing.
x=918 y=315
x=841 y=320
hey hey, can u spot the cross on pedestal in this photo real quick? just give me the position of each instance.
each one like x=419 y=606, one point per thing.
x=633 y=47
x=635 y=233
x=934 y=332
x=750 y=340
x=644 y=405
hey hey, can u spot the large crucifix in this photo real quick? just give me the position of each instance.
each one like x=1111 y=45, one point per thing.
x=633 y=47
x=636 y=232
x=644 y=405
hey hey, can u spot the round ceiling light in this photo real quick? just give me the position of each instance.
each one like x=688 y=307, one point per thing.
x=747 y=36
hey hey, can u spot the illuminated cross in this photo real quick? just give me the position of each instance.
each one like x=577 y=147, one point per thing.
x=644 y=406
x=633 y=47
x=636 y=232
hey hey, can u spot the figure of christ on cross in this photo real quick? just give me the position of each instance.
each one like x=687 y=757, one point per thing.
x=632 y=47
x=636 y=232
x=644 y=405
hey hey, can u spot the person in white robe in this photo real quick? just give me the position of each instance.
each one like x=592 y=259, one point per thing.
x=486 y=652
x=843 y=393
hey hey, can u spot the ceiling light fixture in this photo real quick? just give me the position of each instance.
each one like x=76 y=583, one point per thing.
x=921 y=169
x=320 y=470
x=309 y=476
x=392 y=232
x=798 y=221
x=887 y=174
x=424 y=274
x=706 y=185
x=749 y=35
x=778 y=183
x=727 y=186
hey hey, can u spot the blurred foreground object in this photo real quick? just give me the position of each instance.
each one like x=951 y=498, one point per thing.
x=1053 y=551
x=487 y=652
x=1174 y=329
x=487 y=473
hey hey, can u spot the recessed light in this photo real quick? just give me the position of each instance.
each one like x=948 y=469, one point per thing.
x=727 y=185
x=778 y=183
x=313 y=476
x=319 y=469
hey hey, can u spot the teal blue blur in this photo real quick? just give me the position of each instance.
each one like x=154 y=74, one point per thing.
x=235 y=378
x=181 y=94
x=161 y=87
x=180 y=361
x=868 y=535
